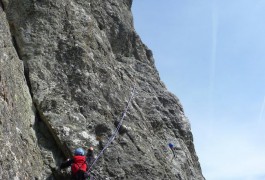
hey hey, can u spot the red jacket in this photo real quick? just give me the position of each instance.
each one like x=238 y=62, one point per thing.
x=79 y=163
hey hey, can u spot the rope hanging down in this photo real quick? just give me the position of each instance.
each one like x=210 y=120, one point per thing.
x=116 y=131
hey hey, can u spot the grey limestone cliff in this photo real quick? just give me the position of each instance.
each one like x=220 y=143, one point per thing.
x=67 y=68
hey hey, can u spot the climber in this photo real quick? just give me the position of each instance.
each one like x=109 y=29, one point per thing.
x=171 y=146
x=78 y=165
x=90 y=156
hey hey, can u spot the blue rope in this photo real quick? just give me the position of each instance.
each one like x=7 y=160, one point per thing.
x=116 y=131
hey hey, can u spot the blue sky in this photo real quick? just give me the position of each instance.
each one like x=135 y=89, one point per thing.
x=211 y=54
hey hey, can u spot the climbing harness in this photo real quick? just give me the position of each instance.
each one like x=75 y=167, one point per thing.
x=116 y=130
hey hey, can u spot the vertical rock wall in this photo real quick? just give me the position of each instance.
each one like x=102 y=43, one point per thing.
x=18 y=141
x=81 y=59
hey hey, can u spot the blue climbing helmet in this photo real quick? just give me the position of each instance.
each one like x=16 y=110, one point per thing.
x=170 y=145
x=79 y=151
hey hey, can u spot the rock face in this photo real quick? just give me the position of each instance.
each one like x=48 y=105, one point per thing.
x=79 y=60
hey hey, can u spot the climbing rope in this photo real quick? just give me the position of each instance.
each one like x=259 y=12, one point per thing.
x=116 y=130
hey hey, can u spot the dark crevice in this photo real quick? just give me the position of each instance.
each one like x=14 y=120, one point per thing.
x=53 y=151
x=14 y=41
x=26 y=75
x=66 y=152
x=2 y=5
x=48 y=148
x=50 y=145
x=48 y=141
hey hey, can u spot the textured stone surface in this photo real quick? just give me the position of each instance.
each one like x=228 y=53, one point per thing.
x=81 y=60
x=26 y=147
x=18 y=141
